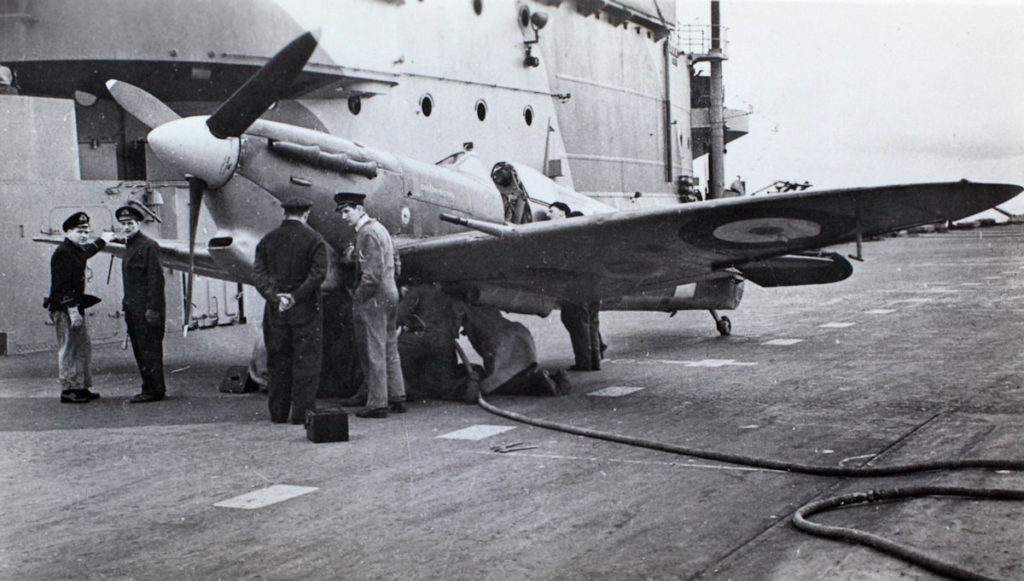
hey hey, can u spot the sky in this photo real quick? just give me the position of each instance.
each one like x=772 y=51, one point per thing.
x=869 y=93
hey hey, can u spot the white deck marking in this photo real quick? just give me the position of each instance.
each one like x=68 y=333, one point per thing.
x=701 y=363
x=836 y=325
x=782 y=342
x=880 y=311
x=477 y=432
x=715 y=363
x=913 y=302
x=265 y=496
x=602 y=460
x=615 y=391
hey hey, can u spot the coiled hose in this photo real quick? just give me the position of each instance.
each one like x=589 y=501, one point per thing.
x=884 y=545
x=799 y=518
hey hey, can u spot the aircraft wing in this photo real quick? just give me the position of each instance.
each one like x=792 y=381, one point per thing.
x=613 y=254
x=173 y=254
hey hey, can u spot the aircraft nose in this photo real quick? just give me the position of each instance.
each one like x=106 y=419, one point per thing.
x=188 y=146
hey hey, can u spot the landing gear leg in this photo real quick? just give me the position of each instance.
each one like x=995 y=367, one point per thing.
x=723 y=324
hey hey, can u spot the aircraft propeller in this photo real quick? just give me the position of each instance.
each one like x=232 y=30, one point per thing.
x=269 y=84
x=196 y=187
x=208 y=156
x=152 y=112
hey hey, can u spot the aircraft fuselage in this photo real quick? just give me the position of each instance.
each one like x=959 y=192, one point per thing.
x=286 y=161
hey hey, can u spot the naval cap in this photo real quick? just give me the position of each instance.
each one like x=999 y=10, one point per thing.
x=128 y=213
x=349 y=198
x=75 y=220
x=300 y=204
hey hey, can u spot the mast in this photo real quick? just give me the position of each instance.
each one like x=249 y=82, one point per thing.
x=716 y=153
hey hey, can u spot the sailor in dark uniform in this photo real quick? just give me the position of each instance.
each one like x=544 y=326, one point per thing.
x=291 y=263
x=426 y=347
x=67 y=303
x=581 y=320
x=144 y=306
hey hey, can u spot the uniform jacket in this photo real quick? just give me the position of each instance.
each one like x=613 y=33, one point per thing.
x=375 y=258
x=142 y=275
x=67 y=275
x=291 y=259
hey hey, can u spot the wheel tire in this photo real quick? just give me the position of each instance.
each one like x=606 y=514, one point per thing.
x=724 y=326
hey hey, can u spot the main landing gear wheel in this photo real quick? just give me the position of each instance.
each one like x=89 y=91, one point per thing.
x=723 y=324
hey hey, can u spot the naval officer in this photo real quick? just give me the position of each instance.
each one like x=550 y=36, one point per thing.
x=67 y=303
x=375 y=309
x=291 y=264
x=144 y=307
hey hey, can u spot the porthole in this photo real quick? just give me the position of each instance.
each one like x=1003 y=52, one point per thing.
x=528 y=115
x=426 y=105
x=355 y=104
x=524 y=16
x=481 y=109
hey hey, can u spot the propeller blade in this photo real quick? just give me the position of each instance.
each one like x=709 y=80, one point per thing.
x=142 y=105
x=269 y=84
x=196 y=187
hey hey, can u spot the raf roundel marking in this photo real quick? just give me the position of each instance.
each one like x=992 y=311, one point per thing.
x=766 y=230
x=406 y=215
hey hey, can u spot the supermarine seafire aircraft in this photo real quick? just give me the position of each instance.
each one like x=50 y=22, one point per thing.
x=448 y=219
